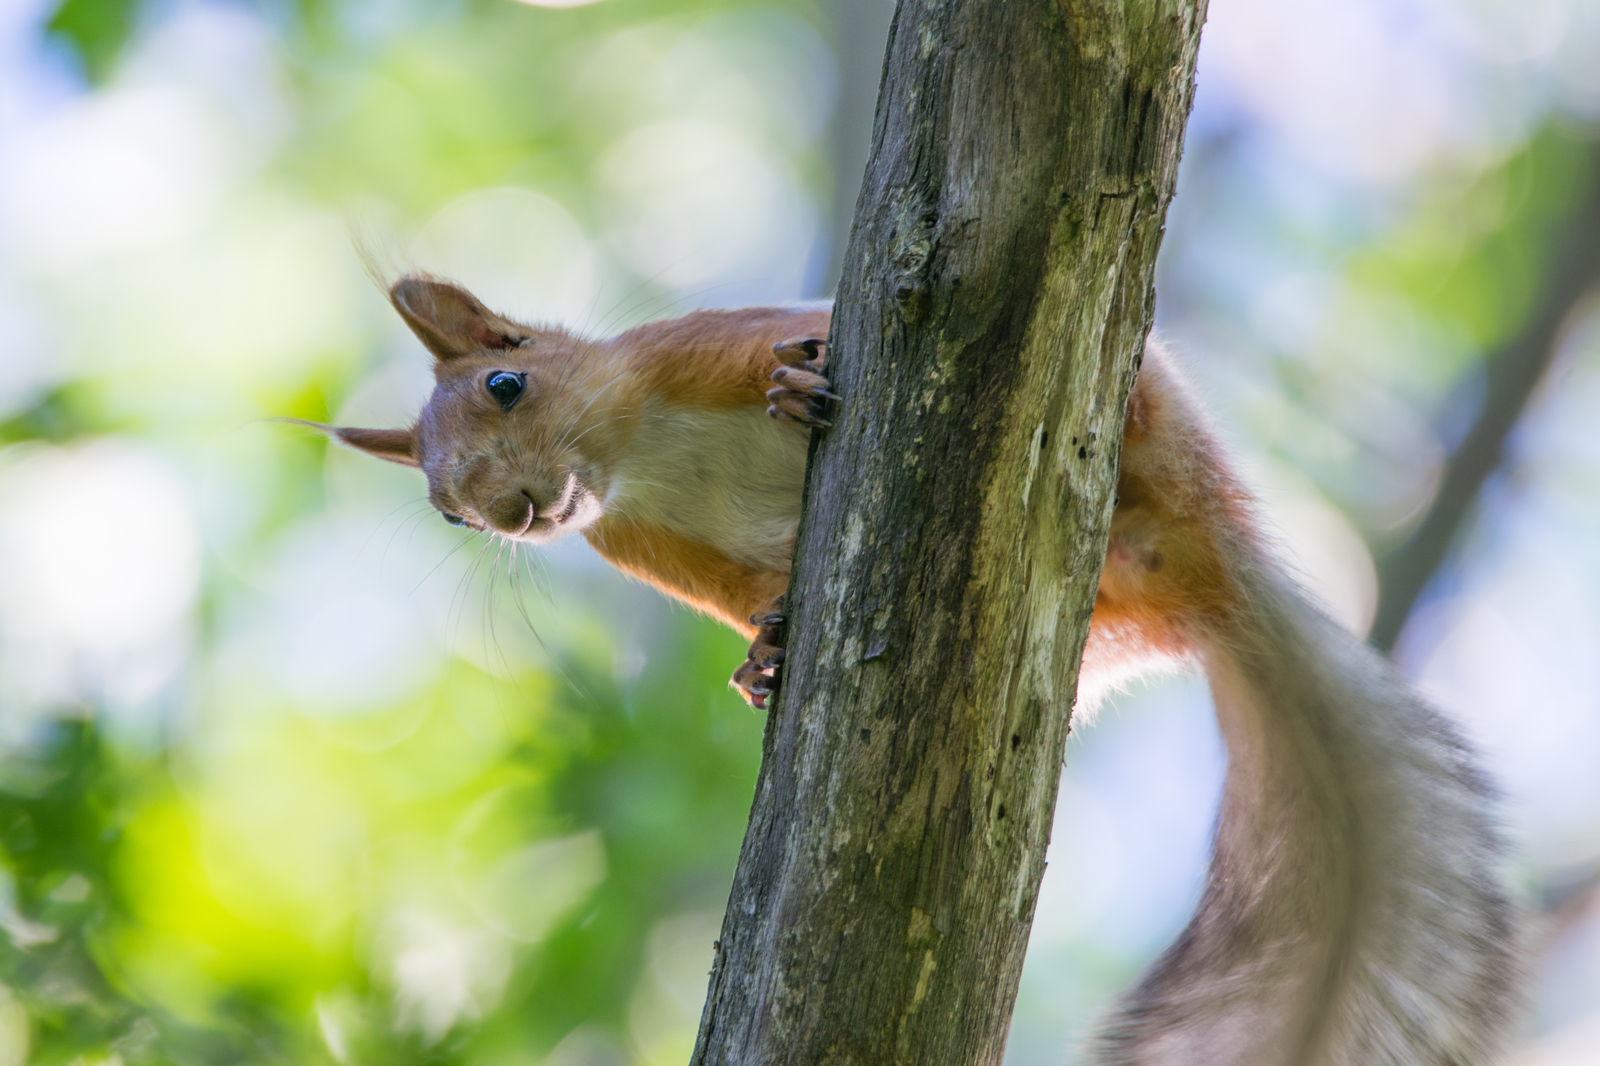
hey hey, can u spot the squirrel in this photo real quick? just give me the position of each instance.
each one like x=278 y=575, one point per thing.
x=1352 y=915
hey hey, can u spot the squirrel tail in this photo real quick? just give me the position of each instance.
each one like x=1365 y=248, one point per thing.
x=1352 y=914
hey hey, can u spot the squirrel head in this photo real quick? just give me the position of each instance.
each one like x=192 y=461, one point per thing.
x=504 y=438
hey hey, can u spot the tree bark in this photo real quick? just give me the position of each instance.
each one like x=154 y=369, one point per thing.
x=993 y=307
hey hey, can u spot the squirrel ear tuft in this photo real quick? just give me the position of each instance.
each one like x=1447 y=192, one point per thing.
x=394 y=445
x=449 y=320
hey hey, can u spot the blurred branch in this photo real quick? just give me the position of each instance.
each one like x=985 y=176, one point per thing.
x=1513 y=371
x=860 y=32
x=1569 y=895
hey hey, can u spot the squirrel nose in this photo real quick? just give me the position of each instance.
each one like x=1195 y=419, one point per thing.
x=512 y=513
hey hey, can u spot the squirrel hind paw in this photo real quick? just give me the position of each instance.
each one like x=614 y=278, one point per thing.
x=757 y=677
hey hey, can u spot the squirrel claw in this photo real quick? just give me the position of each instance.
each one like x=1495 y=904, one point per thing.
x=790 y=406
x=758 y=676
x=802 y=392
x=804 y=351
x=798 y=379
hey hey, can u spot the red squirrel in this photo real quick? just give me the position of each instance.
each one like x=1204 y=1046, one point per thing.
x=1352 y=915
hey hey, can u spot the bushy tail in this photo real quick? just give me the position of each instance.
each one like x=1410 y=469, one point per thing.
x=1352 y=915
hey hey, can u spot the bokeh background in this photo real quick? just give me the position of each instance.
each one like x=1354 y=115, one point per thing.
x=292 y=772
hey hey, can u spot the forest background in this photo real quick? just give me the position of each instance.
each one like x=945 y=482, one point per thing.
x=293 y=772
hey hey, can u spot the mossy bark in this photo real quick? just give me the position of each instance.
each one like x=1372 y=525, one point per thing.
x=996 y=294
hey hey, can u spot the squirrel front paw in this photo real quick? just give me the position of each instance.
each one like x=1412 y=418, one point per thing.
x=757 y=678
x=802 y=392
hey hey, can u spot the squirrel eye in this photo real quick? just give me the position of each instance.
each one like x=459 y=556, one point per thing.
x=454 y=519
x=505 y=387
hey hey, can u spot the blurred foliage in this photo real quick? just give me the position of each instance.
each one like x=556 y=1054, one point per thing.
x=1475 y=258
x=526 y=844
x=1457 y=278
x=110 y=899
x=96 y=29
x=290 y=772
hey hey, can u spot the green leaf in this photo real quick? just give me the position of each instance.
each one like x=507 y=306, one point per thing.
x=97 y=30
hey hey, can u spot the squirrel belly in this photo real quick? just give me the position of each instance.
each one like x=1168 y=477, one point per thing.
x=705 y=495
x=706 y=508
x=706 y=487
x=1352 y=914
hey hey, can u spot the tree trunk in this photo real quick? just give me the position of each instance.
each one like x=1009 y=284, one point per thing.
x=993 y=308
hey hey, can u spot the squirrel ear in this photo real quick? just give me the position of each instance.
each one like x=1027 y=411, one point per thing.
x=450 y=321
x=395 y=445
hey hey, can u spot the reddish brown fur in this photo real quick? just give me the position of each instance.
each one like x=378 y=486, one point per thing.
x=1178 y=507
x=660 y=431
x=1180 y=516
x=713 y=359
x=480 y=457
x=697 y=574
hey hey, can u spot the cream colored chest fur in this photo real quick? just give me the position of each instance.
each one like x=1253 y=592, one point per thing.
x=731 y=479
